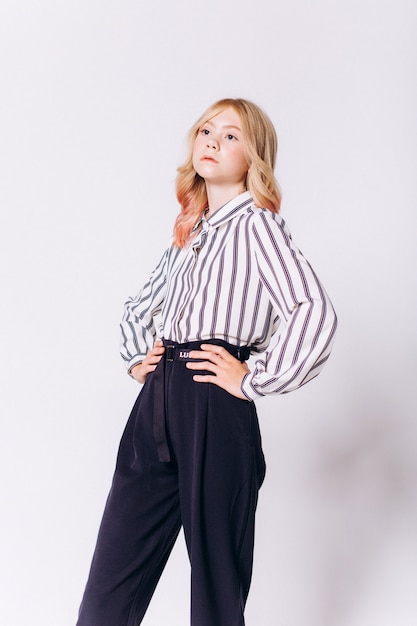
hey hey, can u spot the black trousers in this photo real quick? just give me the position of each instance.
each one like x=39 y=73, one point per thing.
x=209 y=485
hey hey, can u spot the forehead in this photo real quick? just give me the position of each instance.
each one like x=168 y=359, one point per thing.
x=225 y=118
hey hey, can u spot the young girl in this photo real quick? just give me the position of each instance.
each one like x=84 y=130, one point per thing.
x=232 y=284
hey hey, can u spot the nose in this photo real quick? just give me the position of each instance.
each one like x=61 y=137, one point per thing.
x=212 y=142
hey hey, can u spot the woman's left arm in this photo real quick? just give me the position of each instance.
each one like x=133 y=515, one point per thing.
x=307 y=321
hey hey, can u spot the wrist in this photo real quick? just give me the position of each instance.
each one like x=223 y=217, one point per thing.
x=132 y=367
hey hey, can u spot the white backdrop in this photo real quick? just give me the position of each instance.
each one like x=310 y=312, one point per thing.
x=96 y=99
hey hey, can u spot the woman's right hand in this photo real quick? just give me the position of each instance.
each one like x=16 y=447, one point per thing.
x=149 y=363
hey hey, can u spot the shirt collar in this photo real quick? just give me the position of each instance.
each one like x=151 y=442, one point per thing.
x=229 y=210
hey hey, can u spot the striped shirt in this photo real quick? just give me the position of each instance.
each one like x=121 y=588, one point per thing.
x=242 y=279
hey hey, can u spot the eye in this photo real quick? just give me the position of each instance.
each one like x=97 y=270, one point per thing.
x=231 y=137
x=205 y=131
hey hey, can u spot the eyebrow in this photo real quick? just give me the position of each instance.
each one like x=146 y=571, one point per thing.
x=228 y=126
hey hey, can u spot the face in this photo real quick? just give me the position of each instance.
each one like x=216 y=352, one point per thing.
x=219 y=154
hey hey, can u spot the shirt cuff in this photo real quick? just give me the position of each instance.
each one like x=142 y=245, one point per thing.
x=248 y=389
x=133 y=362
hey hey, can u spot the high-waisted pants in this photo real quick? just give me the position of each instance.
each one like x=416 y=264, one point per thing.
x=209 y=486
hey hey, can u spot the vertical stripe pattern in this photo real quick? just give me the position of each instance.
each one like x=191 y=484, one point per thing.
x=242 y=279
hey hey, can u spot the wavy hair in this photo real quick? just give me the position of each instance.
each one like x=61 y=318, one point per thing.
x=261 y=147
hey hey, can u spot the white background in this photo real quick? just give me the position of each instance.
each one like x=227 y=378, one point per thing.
x=96 y=99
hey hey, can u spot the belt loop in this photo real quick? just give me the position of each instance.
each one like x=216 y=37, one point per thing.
x=243 y=353
x=169 y=353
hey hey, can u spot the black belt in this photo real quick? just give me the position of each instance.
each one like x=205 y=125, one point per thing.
x=179 y=352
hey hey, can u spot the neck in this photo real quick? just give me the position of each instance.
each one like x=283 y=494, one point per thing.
x=218 y=196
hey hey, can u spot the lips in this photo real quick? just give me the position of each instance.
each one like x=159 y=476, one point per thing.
x=208 y=159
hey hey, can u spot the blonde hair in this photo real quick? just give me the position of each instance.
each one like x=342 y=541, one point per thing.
x=261 y=146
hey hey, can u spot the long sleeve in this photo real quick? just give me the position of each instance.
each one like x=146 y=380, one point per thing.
x=305 y=321
x=138 y=328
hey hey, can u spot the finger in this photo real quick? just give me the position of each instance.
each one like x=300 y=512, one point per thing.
x=201 y=365
x=156 y=354
x=211 y=356
x=212 y=347
x=153 y=359
x=205 y=379
x=148 y=368
x=217 y=351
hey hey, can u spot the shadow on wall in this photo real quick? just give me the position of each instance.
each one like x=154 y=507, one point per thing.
x=364 y=477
